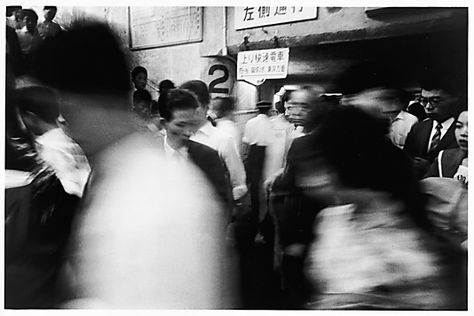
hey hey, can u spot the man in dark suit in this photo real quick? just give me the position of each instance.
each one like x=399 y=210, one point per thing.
x=427 y=138
x=179 y=120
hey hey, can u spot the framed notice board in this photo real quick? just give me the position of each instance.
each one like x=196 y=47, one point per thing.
x=164 y=26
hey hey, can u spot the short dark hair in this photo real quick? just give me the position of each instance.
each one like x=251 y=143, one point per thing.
x=141 y=95
x=39 y=100
x=65 y=61
x=200 y=89
x=50 y=7
x=12 y=8
x=137 y=70
x=438 y=81
x=30 y=13
x=178 y=99
x=223 y=106
x=165 y=85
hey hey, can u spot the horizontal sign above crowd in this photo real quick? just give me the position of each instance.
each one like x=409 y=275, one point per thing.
x=248 y=17
x=263 y=64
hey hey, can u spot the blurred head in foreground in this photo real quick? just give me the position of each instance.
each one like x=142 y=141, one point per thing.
x=89 y=71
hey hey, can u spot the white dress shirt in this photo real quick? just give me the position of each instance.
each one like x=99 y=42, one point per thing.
x=401 y=126
x=222 y=143
x=228 y=127
x=446 y=124
x=278 y=148
x=179 y=155
x=258 y=131
x=66 y=158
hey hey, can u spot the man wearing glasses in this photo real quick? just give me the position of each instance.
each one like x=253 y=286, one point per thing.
x=427 y=138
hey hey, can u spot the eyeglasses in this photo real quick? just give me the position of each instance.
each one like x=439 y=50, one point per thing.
x=431 y=100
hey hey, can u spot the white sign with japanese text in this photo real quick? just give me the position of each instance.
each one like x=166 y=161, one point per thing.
x=248 y=17
x=263 y=64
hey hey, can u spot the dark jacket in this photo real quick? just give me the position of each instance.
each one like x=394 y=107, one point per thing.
x=209 y=162
x=416 y=144
x=450 y=161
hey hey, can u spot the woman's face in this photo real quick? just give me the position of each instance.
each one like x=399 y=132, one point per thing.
x=140 y=80
x=461 y=130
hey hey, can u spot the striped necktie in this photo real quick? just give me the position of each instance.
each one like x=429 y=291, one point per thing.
x=436 y=137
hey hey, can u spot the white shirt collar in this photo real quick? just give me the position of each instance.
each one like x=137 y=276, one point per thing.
x=170 y=152
x=446 y=124
x=206 y=128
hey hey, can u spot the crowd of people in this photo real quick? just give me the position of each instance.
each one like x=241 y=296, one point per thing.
x=116 y=200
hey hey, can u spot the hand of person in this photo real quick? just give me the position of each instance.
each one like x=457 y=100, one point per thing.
x=268 y=183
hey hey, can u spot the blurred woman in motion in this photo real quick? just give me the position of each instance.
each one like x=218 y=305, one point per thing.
x=374 y=248
x=144 y=236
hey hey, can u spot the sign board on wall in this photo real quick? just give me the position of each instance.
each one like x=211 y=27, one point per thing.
x=219 y=74
x=263 y=64
x=164 y=26
x=248 y=17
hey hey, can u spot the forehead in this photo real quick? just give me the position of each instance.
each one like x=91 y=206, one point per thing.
x=463 y=117
x=431 y=93
x=183 y=116
x=299 y=96
x=140 y=74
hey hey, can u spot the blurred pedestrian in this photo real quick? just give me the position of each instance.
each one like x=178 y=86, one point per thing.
x=14 y=17
x=30 y=39
x=39 y=110
x=48 y=28
x=223 y=109
x=137 y=242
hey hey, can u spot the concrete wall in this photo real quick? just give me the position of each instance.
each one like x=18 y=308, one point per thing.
x=177 y=63
x=317 y=49
x=336 y=24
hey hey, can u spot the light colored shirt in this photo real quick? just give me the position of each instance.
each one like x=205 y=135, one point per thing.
x=172 y=154
x=446 y=124
x=11 y=21
x=228 y=127
x=29 y=42
x=66 y=158
x=258 y=131
x=401 y=126
x=222 y=143
x=278 y=148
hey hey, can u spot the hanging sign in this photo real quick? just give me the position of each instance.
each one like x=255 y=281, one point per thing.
x=248 y=17
x=263 y=64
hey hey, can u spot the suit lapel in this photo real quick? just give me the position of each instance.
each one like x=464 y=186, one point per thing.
x=424 y=137
x=448 y=138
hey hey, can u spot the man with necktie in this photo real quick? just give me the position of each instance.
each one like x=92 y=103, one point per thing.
x=427 y=138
